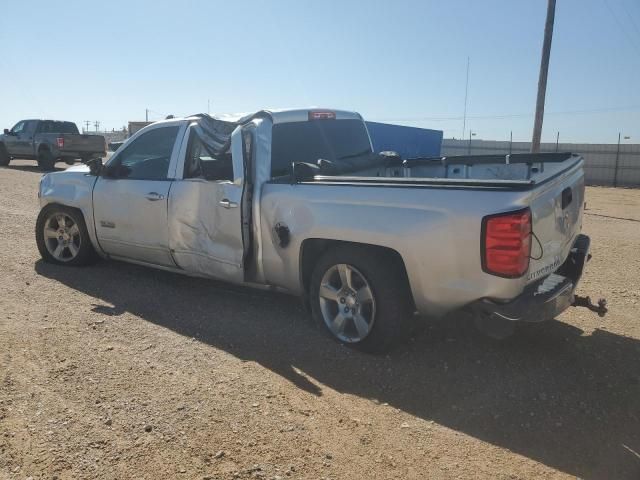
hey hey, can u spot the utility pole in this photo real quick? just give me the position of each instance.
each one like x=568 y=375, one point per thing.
x=557 y=140
x=146 y=114
x=615 y=173
x=466 y=91
x=96 y=124
x=542 y=79
x=86 y=123
x=510 y=141
x=469 y=147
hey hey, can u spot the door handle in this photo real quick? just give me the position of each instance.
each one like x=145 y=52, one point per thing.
x=227 y=204
x=154 y=196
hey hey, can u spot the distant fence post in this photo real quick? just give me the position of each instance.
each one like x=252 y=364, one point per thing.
x=615 y=172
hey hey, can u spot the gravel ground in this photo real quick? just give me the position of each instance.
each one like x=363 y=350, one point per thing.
x=117 y=371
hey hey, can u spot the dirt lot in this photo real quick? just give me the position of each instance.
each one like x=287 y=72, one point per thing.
x=116 y=371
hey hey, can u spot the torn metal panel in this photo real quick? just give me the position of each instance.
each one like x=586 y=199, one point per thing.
x=205 y=237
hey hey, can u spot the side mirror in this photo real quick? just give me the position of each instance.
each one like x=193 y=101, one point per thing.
x=6 y=131
x=95 y=166
x=303 y=172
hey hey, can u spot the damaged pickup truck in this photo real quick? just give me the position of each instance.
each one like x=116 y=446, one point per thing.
x=297 y=200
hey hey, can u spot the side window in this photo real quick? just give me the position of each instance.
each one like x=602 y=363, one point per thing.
x=29 y=127
x=18 y=127
x=44 y=127
x=202 y=164
x=147 y=157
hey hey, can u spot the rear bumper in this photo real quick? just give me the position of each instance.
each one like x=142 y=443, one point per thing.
x=547 y=298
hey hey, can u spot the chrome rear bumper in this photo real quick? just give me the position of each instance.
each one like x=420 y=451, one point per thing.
x=546 y=299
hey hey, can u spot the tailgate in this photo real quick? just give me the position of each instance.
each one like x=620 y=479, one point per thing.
x=83 y=143
x=556 y=221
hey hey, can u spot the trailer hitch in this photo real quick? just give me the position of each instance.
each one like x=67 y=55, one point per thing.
x=600 y=309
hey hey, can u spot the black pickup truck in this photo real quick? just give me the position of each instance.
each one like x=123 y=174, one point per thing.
x=49 y=141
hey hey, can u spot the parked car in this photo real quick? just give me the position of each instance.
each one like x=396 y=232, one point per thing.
x=296 y=200
x=49 y=141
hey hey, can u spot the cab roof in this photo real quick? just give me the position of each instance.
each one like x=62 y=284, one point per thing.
x=285 y=115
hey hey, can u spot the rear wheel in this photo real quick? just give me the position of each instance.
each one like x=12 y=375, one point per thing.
x=69 y=161
x=4 y=156
x=361 y=298
x=46 y=161
x=62 y=236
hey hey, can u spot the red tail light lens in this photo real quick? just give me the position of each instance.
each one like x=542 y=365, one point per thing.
x=318 y=115
x=506 y=243
x=60 y=141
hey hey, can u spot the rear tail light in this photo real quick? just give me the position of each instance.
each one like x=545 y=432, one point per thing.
x=60 y=141
x=506 y=243
x=322 y=115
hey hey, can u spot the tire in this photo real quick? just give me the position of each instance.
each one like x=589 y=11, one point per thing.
x=69 y=161
x=74 y=245
x=46 y=161
x=388 y=315
x=4 y=156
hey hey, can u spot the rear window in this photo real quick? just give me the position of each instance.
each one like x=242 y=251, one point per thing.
x=309 y=141
x=58 y=127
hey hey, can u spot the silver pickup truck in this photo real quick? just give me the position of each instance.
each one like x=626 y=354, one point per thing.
x=297 y=200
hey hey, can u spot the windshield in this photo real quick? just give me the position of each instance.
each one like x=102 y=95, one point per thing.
x=312 y=140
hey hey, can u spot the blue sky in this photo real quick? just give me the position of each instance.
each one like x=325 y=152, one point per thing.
x=398 y=61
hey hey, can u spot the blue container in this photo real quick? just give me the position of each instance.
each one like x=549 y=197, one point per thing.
x=409 y=142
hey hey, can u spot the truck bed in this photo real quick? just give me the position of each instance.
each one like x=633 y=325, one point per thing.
x=75 y=144
x=431 y=211
x=517 y=171
x=83 y=143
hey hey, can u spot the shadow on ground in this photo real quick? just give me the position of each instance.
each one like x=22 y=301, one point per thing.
x=567 y=400
x=35 y=168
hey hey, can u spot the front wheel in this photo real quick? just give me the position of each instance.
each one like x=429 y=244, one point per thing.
x=361 y=298
x=62 y=236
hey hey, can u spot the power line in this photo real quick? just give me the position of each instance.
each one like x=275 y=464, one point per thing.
x=622 y=27
x=513 y=115
x=633 y=22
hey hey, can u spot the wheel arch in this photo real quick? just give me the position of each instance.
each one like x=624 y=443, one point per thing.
x=312 y=248
x=42 y=146
x=88 y=220
x=85 y=252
